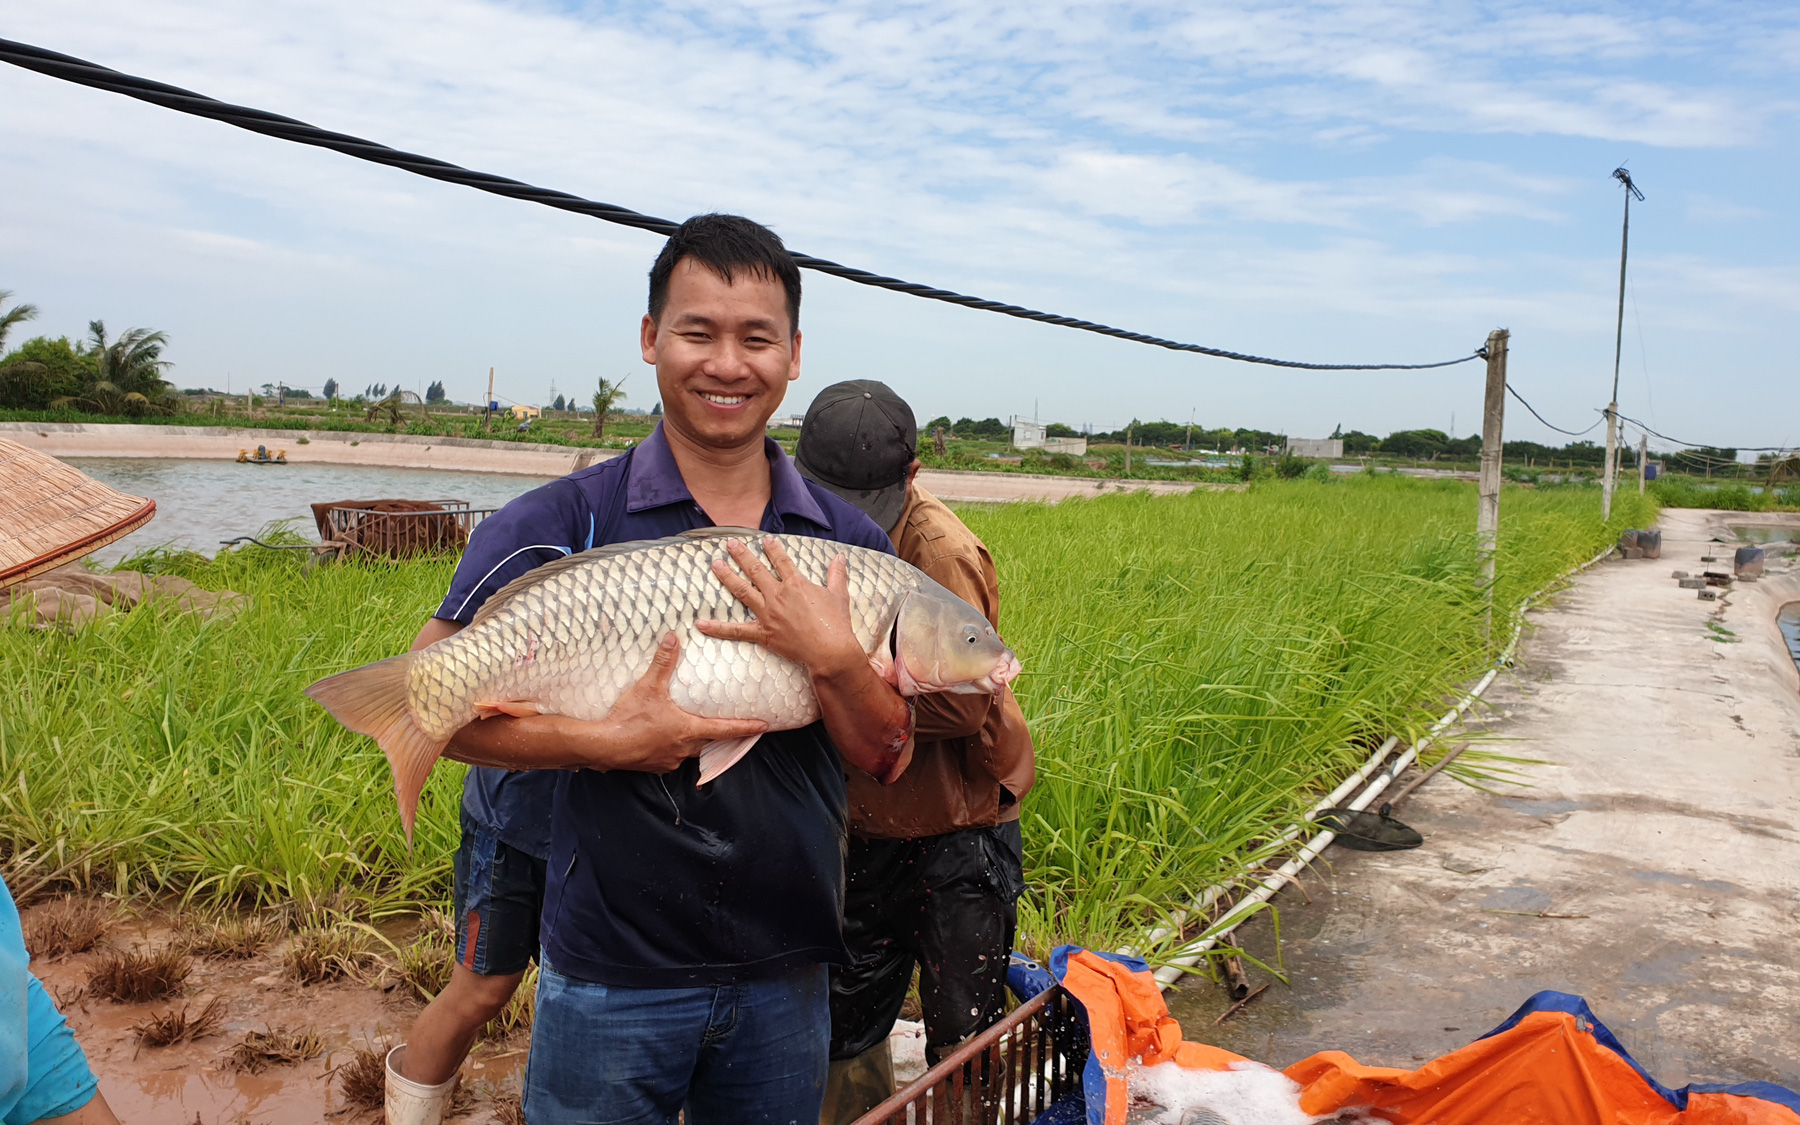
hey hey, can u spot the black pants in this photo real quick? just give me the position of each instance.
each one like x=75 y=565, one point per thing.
x=945 y=903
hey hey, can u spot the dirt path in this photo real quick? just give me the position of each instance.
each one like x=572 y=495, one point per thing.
x=1652 y=864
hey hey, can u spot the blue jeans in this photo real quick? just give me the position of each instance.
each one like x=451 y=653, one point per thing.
x=738 y=1054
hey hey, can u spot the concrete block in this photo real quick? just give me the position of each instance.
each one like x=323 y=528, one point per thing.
x=1632 y=552
x=1693 y=583
x=1678 y=574
x=1709 y=595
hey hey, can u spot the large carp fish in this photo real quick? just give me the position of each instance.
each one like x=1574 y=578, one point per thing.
x=570 y=637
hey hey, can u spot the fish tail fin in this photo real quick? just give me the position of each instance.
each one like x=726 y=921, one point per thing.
x=371 y=700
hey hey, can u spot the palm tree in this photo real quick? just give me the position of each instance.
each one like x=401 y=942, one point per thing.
x=129 y=379
x=609 y=394
x=393 y=407
x=18 y=314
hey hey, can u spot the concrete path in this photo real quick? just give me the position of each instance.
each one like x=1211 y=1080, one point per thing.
x=406 y=451
x=1651 y=865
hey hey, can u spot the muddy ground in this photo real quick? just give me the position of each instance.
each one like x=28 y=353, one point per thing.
x=194 y=1084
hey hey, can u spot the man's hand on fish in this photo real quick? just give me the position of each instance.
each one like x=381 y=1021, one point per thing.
x=809 y=624
x=796 y=619
x=645 y=731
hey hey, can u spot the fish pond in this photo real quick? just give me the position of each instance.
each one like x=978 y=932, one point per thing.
x=199 y=504
x=1195 y=668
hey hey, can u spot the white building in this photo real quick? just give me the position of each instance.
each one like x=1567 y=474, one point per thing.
x=1316 y=447
x=1027 y=435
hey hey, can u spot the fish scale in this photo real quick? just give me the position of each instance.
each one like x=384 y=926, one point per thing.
x=606 y=615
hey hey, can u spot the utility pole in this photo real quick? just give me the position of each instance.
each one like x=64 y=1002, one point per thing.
x=1493 y=444
x=487 y=406
x=1612 y=405
x=1643 y=453
x=1189 y=443
x=1128 y=452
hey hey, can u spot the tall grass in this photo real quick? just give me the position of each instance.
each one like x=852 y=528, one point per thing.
x=1194 y=667
x=156 y=751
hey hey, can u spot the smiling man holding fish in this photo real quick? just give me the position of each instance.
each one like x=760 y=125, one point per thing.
x=686 y=926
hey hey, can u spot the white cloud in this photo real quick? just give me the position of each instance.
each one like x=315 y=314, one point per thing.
x=1385 y=179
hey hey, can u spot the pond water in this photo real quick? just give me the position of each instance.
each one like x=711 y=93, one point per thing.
x=1765 y=533
x=1789 y=620
x=199 y=503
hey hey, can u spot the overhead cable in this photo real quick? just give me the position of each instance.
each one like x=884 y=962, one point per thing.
x=1701 y=444
x=82 y=72
x=1540 y=417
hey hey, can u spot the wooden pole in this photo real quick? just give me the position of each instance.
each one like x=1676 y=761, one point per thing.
x=1493 y=426
x=487 y=406
x=1128 y=452
x=1643 y=452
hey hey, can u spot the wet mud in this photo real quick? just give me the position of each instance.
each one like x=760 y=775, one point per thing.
x=192 y=1083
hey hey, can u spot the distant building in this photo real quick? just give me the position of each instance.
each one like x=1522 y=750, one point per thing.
x=786 y=422
x=1073 y=446
x=525 y=413
x=1027 y=435
x=1316 y=447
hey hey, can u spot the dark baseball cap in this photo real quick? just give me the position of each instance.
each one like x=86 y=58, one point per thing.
x=857 y=440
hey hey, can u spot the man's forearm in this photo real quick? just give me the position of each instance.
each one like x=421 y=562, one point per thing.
x=532 y=742
x=868 y=721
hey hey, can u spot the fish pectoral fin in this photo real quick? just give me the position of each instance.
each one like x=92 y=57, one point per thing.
x=517 y=708
x=717 y=757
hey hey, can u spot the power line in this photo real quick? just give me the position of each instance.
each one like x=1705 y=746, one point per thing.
x=1702 y=444
x=1541 y=418
x=82 y=72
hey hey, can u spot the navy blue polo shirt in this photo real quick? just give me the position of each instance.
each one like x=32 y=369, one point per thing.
x=654 y=883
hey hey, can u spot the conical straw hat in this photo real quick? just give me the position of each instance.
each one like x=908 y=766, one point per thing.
x=51 y=514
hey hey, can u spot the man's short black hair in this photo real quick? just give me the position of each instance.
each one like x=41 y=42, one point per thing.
x=724 y=244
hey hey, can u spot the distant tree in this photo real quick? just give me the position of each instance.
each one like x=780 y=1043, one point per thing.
x=392 y=407
x=560 y=404
x=331 y=390
x=1057 y=429
x=606 y=397
x=942 y=421
x=434 y=393
x=1357 y=442
x=656 y=411
x=375 y=391
x=1415 y=443
x=18 y=314
x=43 y=370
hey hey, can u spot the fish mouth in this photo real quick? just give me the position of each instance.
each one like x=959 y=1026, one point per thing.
x=1005 y=672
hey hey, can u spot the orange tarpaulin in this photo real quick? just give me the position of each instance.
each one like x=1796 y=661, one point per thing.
x=1551 y=1063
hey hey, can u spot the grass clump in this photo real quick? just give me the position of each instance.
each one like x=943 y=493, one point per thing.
x=137 y=977
x=424 y=965
x=321 y=954
x=257 y=1051
x=178 y=1026
x=69 y=925
x=227 y=937
x=363 y=1080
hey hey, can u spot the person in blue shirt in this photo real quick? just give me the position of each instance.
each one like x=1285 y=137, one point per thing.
x=44 y=1076
x=685 y=933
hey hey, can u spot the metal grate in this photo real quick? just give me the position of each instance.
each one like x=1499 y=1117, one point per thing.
x=441 y=529
x=1010 y=1074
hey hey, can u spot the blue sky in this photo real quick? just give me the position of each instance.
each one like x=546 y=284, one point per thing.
x=1330 y=182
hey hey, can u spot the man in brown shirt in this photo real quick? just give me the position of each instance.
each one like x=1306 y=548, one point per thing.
x=935 y=861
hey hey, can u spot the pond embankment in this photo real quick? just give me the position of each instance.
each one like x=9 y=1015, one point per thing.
x=1649 y=861
x=469 y=455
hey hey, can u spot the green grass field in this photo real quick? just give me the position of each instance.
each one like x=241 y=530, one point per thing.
x=1195 y=667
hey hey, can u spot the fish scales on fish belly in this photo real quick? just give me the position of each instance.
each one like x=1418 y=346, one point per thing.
x=574 y=635
x=574 y=642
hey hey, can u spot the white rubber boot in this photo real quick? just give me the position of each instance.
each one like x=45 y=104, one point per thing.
x=414 y=1103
